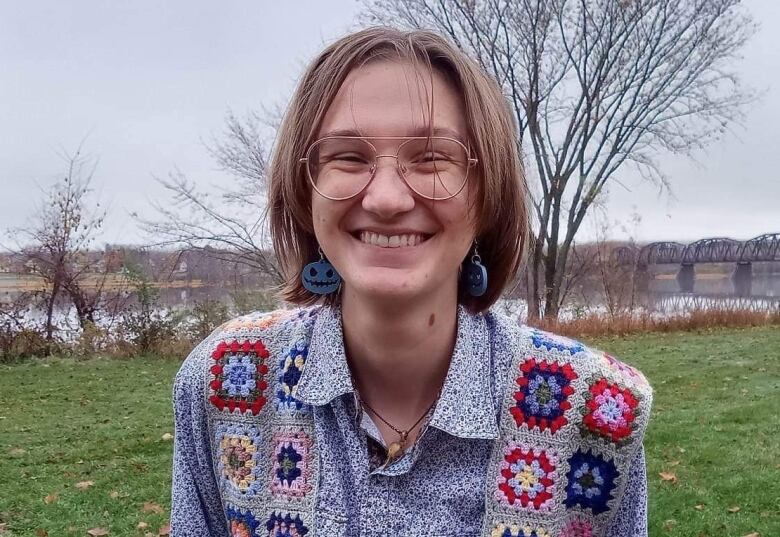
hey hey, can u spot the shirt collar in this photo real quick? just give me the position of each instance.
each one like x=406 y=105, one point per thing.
x=466 y=406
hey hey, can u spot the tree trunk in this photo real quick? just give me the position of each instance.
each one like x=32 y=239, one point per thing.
x=55 y=289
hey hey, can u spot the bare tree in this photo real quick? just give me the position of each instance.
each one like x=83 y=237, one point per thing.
x=227 y=224
x=595 y=85
x=55 y=244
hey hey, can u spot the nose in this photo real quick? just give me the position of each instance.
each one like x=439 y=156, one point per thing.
x=387 y=194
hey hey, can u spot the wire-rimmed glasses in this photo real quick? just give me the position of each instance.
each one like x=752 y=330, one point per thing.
x=434 y=167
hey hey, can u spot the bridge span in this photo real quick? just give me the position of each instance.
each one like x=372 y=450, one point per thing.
x=763 y=248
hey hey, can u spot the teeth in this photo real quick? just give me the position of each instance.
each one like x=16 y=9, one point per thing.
x=390 y=241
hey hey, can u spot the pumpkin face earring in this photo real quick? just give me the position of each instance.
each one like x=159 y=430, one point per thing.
x=475 y=276
x=320 y=277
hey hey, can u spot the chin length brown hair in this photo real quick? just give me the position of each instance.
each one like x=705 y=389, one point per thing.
x=500 y=204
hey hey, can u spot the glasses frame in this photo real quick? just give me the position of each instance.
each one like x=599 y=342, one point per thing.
x=471 y=161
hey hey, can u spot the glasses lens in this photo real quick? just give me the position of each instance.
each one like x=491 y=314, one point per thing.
x=340 y=167
x=435 y=168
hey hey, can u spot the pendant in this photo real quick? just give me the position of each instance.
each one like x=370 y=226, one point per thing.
x=394 y=452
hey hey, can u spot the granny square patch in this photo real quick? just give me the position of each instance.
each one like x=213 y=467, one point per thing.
x=591 y=481
x=610 y=411
x=527 y=477
x=514 y=530
x=290 y=370
x=252 y=321
x=549 y=341
x=291 y=469
x=241 y=522
x=621 y=367
x=577 y=527
x=285 y=525
x=237 y=378
x=543 y=395
x=238 y=458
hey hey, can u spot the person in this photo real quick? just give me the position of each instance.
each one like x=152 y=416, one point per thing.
x=393 y=400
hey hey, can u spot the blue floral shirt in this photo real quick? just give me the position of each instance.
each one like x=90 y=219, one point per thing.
x=293 y=364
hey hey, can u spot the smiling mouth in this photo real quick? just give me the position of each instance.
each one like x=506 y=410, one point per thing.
x=391 y=241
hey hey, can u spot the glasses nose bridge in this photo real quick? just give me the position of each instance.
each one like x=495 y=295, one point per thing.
x=398 y=165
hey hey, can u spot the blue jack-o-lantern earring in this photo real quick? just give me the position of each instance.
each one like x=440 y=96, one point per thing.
x=320 y=277
x=475 y=275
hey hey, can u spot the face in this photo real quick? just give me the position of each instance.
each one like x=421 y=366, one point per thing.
x=388 y=242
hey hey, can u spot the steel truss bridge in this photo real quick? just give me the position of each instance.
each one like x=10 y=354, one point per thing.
x=764 y=248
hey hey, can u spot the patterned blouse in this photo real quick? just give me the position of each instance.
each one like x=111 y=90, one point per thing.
x=534 y=435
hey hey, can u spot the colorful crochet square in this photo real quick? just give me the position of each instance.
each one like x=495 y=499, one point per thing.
x=248 y=322
x=609 y=411
x=290 y=370
x=621 y=367
x=527 y=478
x=238 y=458
x=513 y=530
x=543 y=397
x=285 y=525
x=241 y=522
x=540 y=339
x=291 y=472
x=237 y=376
x=577 y=528
x=591 y=481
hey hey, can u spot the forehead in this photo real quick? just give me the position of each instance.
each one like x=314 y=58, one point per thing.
x=395 y=98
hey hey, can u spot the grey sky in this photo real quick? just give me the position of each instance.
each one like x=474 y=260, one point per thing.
x=146 y=82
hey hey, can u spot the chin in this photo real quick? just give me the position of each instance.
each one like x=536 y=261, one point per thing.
x=388 y=285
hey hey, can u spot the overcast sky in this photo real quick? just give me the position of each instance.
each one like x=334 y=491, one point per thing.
x=145 y=83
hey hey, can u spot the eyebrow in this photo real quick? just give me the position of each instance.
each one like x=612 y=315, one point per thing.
x=422 y=132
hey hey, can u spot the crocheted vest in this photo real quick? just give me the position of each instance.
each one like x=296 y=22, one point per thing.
x=571 y=421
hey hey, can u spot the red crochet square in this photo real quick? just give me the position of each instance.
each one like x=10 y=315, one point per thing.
x=238 y=376
x=610 y=411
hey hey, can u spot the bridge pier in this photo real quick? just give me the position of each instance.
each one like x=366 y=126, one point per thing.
x=743 y=278
x=642 y=278
x=686 y=277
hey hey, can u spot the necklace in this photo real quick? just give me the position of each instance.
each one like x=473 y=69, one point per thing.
x=396 y=449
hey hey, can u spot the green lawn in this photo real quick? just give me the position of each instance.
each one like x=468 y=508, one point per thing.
x=715 y=427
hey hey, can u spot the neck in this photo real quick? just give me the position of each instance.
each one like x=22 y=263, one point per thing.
x=399 y=353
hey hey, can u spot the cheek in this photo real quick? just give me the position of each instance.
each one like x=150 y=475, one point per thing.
x=320 y=218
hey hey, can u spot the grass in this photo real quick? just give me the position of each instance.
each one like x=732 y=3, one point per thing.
x=715 y=427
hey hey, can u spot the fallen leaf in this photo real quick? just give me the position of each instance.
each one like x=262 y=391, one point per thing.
x=681 y=449
x=165 y=530
x=151 y=507
x=3 y=527
x=15 y=452
x=699 y=507
x=167 y=436
x=674 y=463
x=733 y=509
x=148 y=534
x=668 y=476
x=51 y=498
x=97 y=532
x=114 y=494
x=142 y=525
x=84 y=485
x=754 y=534
x=40 y=532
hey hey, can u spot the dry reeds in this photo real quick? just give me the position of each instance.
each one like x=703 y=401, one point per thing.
x=603 y=324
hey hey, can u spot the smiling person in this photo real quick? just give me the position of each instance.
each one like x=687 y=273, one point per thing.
x=392 y=400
